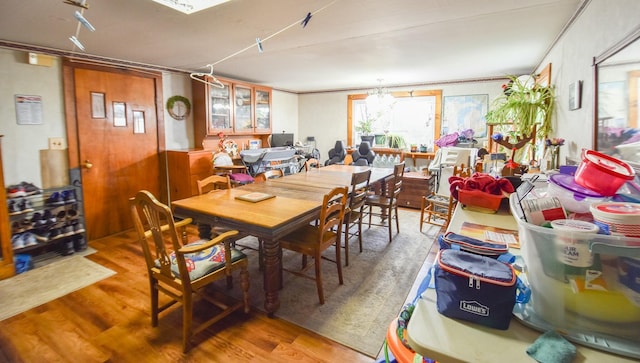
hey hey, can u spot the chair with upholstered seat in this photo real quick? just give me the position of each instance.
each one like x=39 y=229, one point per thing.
x=310 y=240
x=364 y=155
x=337 y=154
x=269 y=174
x=181 y=270
x=386 y=203
x=355 y=209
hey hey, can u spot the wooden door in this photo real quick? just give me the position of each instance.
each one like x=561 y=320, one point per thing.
x=117 y=145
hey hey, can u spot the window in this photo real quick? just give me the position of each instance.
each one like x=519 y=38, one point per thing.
x=413 y=115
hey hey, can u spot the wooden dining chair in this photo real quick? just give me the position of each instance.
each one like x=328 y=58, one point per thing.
x=310 y=240
x=181 y=270
x=355 y=209
x=213 y=182
x=438 y=208
x=269 y=174
x=311 y=163
x=385 y=204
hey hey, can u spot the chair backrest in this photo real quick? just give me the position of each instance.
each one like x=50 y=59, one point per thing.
x=269 y=174
x=311 y=163
x=213 y=182
x=155 y=226
x=359 y=188
x=395 y=187
x=364 y=152
x=332 y=217
x=337 y=154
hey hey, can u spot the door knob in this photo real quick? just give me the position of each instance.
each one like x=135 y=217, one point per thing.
x=87 y=164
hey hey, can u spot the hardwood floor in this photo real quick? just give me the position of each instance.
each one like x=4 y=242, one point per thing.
x=109 y=322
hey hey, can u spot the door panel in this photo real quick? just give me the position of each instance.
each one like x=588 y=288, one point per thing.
x=115 y=161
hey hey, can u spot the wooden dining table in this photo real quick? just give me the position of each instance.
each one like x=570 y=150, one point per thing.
x=297 y=201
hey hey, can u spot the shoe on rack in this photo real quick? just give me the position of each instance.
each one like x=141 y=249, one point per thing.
x=29 y=239
x=55 y=233
x=79 y=244
x=67 y=230
x=78 y=228
x=14 y=208
x=16 y=191
x=17 y=241
x=69 y=196
x=67 y=248
x=25 y=205
x=55 y=199
x=17 y=227
x=42 y=235
x=30 y=189
x=48 y=218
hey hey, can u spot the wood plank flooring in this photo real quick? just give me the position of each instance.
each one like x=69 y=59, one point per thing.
x=109 y=322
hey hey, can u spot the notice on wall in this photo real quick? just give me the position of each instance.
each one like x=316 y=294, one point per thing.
x=28 y=110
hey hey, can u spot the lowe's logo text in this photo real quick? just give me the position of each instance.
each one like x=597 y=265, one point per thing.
x=474 y=307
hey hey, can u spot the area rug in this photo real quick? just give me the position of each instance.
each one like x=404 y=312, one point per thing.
x=376 y=284
x=36 y=287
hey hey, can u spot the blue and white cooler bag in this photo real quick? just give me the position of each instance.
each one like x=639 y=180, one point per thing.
x=476 y=288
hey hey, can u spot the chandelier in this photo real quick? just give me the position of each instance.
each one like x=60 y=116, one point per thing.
x=379 y=97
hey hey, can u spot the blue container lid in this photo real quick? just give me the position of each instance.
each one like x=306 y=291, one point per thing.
x=568 y=182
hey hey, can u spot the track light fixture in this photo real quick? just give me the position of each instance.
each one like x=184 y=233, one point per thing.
x=84 y=21
x=76 y=42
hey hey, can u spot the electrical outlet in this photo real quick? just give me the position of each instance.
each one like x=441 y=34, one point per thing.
x=56 y=143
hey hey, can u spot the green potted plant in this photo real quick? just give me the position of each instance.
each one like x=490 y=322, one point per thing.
x=365 y=128
x=524 y=105
x=396 y=141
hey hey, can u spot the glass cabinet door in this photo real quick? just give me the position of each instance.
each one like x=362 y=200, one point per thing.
x=220 y=109
x=263 y=109
x=243 y=117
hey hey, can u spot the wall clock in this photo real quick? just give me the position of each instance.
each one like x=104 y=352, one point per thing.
x=178 y=107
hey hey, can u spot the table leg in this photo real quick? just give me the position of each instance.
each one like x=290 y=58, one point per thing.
x=272 y=275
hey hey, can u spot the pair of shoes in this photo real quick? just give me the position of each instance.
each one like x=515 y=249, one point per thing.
x=19 y=206
x=55 y=199
x=22 y=240
x=67 y=248
x=68 y=196
x=30 y=189
x=79 y=244
x=39 y=220
x=16 y=191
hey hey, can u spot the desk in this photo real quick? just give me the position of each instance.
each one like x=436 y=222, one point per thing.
x=298 y=202
x=448 y=340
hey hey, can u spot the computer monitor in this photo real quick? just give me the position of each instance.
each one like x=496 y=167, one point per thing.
x=282 y=139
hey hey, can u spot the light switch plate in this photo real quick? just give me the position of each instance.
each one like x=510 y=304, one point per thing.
x=56 y=143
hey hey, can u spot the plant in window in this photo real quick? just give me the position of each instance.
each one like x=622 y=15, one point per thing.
x=396 y=141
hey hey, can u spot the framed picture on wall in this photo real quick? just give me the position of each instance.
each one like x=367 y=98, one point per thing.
x=119 y=114
x=466 y=112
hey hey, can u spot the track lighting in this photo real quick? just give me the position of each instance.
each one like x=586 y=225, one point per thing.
x=84 y=21
x=76 y=42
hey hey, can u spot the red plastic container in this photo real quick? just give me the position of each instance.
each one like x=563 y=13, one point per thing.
x=602 y=173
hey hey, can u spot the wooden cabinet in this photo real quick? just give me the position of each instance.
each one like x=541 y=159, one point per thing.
x=6 y=250
x=235 y=109
x=414 y=186
x=185 y=167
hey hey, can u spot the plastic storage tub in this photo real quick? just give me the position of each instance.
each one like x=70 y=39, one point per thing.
x=573 y=196
x=586 y=301
x=602 y=173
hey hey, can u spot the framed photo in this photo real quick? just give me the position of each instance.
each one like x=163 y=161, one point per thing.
x=138 y=122
x=466 y=112
x=97 y=105
x=119 y=114
x=575 y=95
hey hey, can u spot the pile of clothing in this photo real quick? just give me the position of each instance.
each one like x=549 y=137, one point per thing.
x=480 y=181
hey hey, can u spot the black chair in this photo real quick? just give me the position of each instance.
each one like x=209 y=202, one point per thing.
x=364 y=155
x=337 y=154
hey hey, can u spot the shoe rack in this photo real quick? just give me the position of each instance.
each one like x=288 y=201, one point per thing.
x=43 y=221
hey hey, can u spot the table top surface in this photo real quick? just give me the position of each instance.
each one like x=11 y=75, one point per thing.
x=295 y=195
x=449 y=340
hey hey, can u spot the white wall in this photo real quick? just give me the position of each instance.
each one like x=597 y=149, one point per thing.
x=602 y=24
x=178 y=133
x=21 y=144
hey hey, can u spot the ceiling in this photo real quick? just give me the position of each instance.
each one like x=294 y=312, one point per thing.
x=347 y=44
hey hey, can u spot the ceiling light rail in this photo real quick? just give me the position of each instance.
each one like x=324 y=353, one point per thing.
x=258 y=43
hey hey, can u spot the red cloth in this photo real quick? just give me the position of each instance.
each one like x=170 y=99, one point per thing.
x=480 y=181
